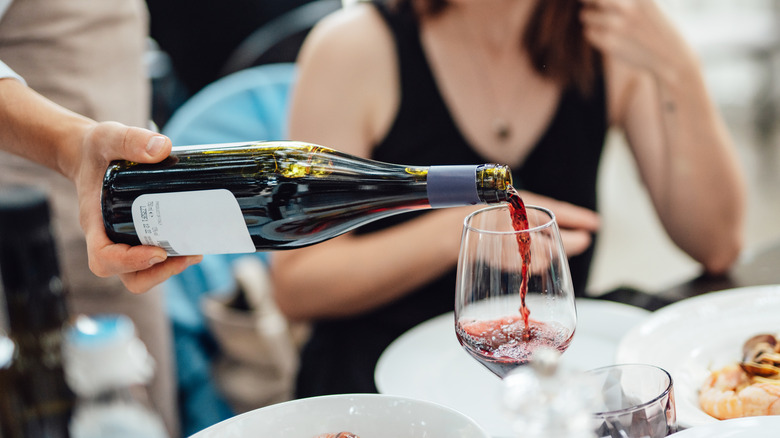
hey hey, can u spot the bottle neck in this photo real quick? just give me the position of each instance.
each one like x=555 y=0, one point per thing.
x=452 y=186
x=494 y=182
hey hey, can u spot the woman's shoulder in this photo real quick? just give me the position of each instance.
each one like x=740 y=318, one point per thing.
x=347 y=72
x=355 y=31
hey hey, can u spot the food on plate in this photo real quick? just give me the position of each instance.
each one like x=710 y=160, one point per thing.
x=337 y=435
x=748 y=388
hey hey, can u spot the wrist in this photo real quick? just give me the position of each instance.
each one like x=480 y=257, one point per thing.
x=39 y=130
x=70 y=144
x=680 y=70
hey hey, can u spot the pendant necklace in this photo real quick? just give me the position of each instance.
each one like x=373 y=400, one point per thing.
x=500 y=124
x=501 y=129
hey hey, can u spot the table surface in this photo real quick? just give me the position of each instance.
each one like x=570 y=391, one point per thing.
x=755 y=268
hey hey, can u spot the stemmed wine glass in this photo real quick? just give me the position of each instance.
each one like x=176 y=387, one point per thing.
x=503 y=313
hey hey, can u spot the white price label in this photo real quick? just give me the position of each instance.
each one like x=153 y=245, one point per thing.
x=195 y=222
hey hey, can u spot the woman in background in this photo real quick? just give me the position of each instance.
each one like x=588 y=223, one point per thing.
x=534 y=84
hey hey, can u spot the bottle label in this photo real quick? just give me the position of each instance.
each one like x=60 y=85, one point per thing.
x=194 y=222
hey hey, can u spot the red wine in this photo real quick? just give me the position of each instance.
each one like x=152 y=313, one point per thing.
x=502 y=345
x=246 y=197
x=505 y=343
x=519 y=223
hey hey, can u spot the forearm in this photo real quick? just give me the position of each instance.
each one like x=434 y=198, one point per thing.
x=701 y=197
x=353 y=274
x=39 y=130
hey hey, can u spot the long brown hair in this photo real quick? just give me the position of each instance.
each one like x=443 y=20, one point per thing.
x=554 y=40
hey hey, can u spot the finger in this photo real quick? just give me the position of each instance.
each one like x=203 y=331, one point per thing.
x=599 y=19
x=567 y=215
x=575 y=242
x=116 y=141
x=592 y=3
x=572 y=216
x=110 y=258
x=107 y=258
x=142 y=146
x=601 y=39
x=604 y=5
x=142 y=281
x=580 y=219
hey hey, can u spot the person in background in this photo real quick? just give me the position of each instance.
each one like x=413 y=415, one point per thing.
x=534 y=84
x=87 y=57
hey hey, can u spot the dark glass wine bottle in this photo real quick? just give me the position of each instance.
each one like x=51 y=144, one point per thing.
x=36 y=399
x=244 y=197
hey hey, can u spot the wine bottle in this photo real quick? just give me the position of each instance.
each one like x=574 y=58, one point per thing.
x=244 y=197
x=36 y=398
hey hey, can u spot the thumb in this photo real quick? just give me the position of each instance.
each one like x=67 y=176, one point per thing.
x=144 y=146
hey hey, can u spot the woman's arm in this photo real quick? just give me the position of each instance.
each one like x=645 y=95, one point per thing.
x=344 y=97
x=683 y=149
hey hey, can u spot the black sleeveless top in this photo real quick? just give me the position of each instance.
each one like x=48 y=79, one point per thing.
x=342 y=353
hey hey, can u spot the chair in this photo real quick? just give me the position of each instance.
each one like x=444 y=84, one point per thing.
x=249 y=105
x=245 y=106
x=280 y=39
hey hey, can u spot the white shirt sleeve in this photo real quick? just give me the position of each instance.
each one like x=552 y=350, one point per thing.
x=4 y=4
x=6 y=72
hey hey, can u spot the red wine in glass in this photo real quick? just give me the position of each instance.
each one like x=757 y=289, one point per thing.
x=502 y=343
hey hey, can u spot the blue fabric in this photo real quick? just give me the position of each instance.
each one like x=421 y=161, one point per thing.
x=200 y=403
x=246 y=106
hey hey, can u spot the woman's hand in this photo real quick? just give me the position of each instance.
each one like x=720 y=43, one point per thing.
x=683 y=150
x=139 y=267
x=634 y=31
x=577 y=224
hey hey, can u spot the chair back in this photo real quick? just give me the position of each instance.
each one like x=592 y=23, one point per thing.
x=249 y=105
x=280 y=39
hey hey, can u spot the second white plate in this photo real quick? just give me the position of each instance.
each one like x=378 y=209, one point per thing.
x=753 y=427
x=691 y=337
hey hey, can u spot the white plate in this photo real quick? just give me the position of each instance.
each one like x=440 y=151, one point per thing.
x=753 y=427
x=366 y=415
x=428 y=362
x=693 y=336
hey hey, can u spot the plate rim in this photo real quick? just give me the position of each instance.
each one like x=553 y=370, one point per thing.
x=735 y=424
x=246 y=416
x=626 y=350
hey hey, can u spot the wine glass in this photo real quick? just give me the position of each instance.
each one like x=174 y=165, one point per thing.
x=500 y=319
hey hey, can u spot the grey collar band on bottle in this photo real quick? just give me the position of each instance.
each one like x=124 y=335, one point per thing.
x=452 y=186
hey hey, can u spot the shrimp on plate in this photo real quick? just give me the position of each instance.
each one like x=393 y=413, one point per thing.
x=337 y=435
x=746 y=389
x=731 y=393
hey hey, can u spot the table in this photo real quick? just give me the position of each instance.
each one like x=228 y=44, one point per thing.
x=755 y=268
